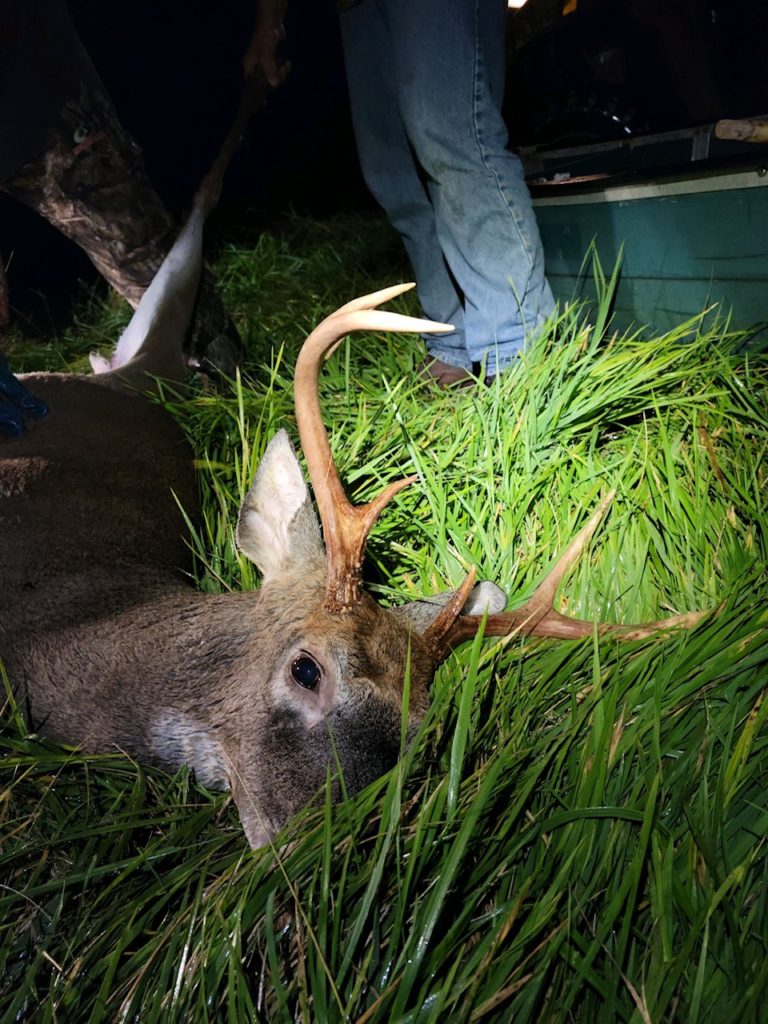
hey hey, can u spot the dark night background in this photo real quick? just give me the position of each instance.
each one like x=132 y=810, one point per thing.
x=613 y=67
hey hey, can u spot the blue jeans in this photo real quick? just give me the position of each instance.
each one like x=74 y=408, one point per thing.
x=426 y=82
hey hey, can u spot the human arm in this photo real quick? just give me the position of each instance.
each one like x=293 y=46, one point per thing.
x=267 y=34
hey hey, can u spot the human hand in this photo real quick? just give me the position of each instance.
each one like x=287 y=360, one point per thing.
x=268 y=33
x=16 y=402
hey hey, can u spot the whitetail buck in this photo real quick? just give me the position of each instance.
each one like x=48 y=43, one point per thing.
x=108 y=646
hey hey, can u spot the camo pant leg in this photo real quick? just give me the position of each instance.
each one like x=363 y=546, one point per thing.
x=91 y=185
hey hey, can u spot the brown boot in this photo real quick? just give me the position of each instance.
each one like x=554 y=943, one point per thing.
x=445 y=375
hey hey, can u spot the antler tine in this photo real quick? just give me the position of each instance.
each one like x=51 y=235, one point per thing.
x=442 y=625
x=374 y=299
x=537 y=617
x=345 y=526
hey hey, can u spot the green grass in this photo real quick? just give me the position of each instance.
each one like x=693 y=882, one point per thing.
x=578 y=832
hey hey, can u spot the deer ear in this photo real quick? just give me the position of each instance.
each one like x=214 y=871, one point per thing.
x=484 y=596
x=277 y=524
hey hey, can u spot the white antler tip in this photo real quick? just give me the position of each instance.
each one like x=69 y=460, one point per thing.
x=374 y=299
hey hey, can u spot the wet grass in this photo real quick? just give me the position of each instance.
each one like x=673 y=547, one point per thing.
x=578 y=832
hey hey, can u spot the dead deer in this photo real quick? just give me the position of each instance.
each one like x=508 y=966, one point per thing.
x=108 y=646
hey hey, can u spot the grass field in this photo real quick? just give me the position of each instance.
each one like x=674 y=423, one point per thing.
x=578 y=833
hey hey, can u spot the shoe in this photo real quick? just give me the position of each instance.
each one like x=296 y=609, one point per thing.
x=445 y=375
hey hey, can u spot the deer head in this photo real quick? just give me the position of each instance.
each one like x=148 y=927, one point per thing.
x=339 y=688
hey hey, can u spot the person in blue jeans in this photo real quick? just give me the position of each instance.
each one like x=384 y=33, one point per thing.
x=426 y=83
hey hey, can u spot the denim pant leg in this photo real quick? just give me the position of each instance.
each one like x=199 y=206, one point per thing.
x=447 y=71
x=392 y=173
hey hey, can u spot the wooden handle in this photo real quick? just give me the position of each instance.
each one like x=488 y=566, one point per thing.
x=748 y=129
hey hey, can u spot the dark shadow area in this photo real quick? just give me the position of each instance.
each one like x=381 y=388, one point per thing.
x=609 y=70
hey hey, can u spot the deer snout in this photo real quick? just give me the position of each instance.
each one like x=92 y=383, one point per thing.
x=358 y=741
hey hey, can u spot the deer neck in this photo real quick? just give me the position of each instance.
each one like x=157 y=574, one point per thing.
x=145 y=674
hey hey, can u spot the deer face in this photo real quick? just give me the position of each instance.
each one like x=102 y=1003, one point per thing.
x=333 y=700
x=333 y=705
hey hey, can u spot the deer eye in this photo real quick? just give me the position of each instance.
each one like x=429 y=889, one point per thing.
x=306 y=672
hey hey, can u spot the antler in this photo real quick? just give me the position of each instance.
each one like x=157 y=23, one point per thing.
x=537 y=617
x=345 y=526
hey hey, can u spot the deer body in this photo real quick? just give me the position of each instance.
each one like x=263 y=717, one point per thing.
x=91 y=542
